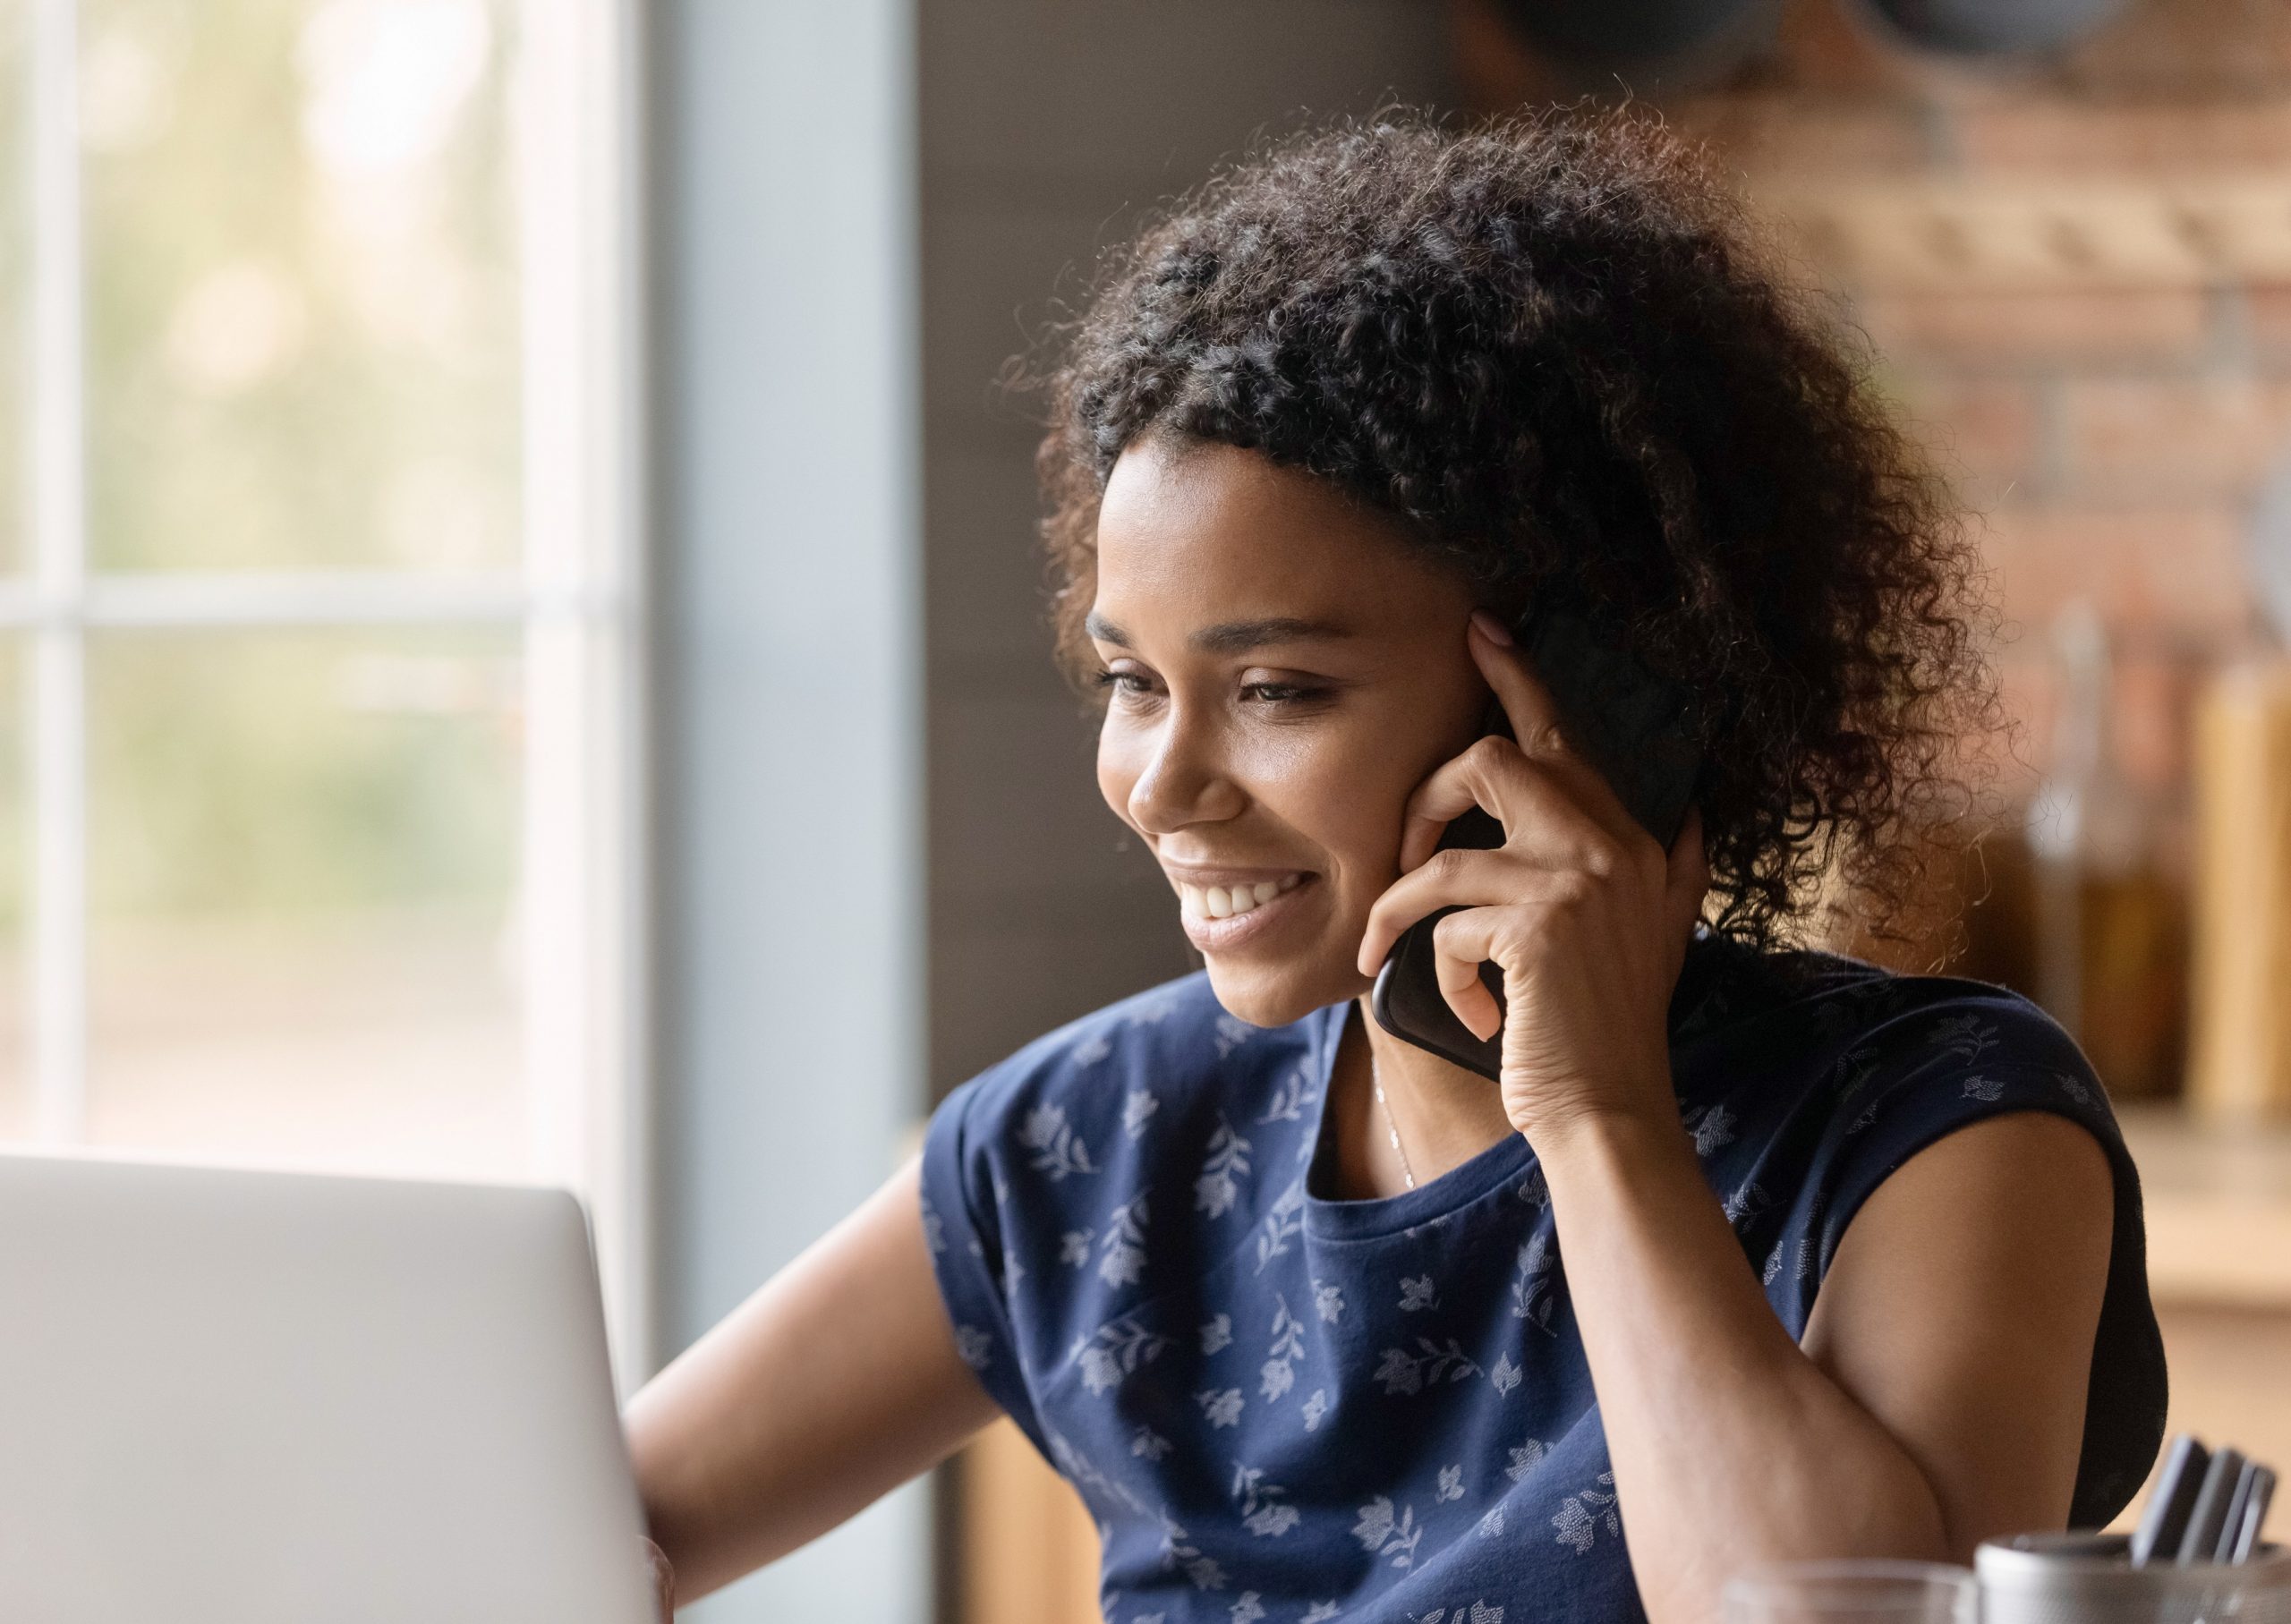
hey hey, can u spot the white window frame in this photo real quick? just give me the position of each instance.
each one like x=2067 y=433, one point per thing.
x=578 y=601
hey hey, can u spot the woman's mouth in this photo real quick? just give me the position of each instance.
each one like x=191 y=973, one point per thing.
x=1218 y=918
x=1227 y=902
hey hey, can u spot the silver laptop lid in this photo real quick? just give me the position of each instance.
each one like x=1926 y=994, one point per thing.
x=232 y=1397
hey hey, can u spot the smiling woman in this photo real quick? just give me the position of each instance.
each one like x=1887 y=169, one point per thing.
x=1281 y=673
x=1762 y=1251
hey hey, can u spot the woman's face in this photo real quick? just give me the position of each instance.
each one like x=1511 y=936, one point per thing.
x=1284 y=670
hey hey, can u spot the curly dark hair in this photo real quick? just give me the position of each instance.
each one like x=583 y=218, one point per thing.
x=1553 y=348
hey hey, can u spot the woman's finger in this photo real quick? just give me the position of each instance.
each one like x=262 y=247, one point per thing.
x=1474 y=1005
x=1461 y=943
x=1537 y=800
x=1537 y=724
x=1528 y=705
x=1489 y=886
x=1452 y=879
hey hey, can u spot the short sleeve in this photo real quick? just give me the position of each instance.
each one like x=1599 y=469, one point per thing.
x=1962 y=1059
x=962 y=1198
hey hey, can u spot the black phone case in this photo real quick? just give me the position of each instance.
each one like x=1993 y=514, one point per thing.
x=1630 y=725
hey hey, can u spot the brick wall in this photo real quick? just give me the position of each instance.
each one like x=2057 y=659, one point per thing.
x=2107 y=411
x=2077 y=276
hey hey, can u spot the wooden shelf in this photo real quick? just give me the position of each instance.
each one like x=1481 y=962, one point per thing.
x=1952 y=233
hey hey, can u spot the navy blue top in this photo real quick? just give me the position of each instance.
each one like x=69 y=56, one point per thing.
x=1283 y=1407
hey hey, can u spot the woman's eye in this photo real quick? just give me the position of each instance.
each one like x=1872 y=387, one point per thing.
x=1284 y=694
x=1127 y=683
x=1139 y=687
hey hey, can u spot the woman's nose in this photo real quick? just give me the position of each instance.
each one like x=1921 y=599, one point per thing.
x=1185 y=781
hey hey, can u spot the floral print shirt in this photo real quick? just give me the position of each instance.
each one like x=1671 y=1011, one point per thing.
x=1282 y=1407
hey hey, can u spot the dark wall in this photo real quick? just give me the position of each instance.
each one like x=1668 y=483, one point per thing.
x=1045 y=124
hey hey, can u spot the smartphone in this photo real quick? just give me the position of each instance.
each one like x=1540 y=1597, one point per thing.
x=1635 y=727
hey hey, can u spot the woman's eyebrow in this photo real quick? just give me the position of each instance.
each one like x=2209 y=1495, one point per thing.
x=1240 y=636
x=1232 y=636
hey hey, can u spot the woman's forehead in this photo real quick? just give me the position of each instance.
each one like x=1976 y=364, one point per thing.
x=1219 y=530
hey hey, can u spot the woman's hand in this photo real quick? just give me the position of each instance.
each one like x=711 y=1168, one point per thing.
x=1583 y=911
x=1927 y=1410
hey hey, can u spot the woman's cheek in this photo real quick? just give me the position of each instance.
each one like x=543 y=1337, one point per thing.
x=1119 y=761
x=1353 y=806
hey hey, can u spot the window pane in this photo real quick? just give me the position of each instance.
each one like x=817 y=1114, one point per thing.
x=16 y=272
x=301 y=312
x=17 y=1113
x=301 y=875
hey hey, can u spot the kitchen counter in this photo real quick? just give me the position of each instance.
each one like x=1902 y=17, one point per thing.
x=2219 y=1209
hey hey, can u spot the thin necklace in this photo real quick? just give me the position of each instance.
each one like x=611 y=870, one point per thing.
x=1377 y=1082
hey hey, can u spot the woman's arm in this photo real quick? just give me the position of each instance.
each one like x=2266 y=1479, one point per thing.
x=1939 y=1395
x=834 y=1384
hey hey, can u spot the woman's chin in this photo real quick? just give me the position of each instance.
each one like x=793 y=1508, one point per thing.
x=1274 y=995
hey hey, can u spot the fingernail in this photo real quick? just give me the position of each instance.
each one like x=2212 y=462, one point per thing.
x=1491 y=628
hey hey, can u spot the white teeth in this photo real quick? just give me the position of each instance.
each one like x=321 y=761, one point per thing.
x=1227 y=902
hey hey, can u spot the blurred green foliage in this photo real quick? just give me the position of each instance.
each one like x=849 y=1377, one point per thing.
x=303 y=325
x=302 y=349
x=15 y=242
x=265 y=771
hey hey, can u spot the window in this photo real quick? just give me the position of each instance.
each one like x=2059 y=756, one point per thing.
x=319 y=663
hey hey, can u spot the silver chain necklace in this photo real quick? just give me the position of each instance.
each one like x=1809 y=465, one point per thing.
x=1377 y=1082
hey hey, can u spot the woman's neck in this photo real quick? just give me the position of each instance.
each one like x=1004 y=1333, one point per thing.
x=1444 y=1115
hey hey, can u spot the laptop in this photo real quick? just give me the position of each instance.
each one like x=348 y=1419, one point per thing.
x=242 y=1397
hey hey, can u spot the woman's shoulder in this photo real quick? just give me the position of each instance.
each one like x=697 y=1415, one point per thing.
x=1891 y=1064
x=1809 y=1091
x=1951 y=1028
x=1802 y=1109
x=1848 y=1014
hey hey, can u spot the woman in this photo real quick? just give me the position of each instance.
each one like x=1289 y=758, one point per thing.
x=1755 y=1251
